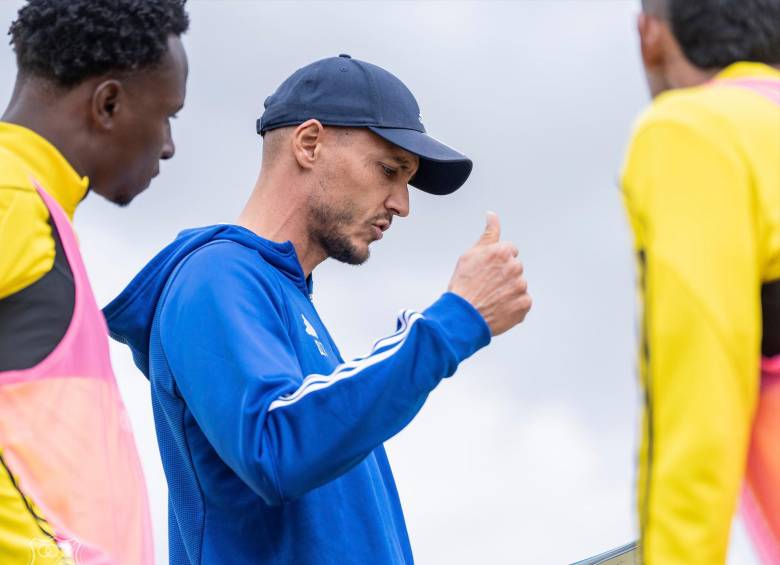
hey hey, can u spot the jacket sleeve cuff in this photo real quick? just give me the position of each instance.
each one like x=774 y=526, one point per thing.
x=462 y=325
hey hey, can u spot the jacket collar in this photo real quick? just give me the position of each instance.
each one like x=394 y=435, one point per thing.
x=46 y=165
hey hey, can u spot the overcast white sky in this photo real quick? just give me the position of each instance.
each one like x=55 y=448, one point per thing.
x=527 y=454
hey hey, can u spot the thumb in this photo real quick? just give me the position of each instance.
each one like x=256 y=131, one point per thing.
x=492 y=233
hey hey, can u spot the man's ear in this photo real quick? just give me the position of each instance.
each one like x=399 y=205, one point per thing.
x=107 y=103
x=651 y=39
x=307 y=142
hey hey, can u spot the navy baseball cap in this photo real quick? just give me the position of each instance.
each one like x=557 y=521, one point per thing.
x=342 y=91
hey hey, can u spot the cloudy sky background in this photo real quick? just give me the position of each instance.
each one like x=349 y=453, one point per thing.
x=527 y=454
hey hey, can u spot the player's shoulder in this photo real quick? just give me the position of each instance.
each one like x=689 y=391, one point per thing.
x=25 y=234
x=712 y=110
x=20 y=203
x=18 y=196
x=225 y=264
x=13 y=175
x=678 y=108
x=228 y=254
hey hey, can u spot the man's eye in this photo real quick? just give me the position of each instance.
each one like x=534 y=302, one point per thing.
x=388 y=171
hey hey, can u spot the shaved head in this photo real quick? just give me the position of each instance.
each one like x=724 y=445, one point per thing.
x=276 y=139
x=273 y=141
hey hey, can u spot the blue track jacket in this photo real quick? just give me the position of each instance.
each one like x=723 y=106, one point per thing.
x=271 y=443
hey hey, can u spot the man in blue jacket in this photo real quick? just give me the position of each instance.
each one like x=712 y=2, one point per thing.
x=271 y=442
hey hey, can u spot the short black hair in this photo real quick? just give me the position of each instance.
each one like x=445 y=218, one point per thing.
x=716 y=33
x=67 y=41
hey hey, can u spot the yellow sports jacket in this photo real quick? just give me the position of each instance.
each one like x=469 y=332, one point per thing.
x=701 y=185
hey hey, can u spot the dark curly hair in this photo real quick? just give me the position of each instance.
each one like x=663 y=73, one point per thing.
x=716 y=33
x=67 y=41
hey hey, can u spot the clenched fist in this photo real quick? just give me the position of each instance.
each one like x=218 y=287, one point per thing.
x=490 y=277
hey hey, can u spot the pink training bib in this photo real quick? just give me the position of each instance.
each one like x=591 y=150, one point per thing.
x=66 y=437
x=761 y=497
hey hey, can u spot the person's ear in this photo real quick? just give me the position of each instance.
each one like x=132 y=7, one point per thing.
x=307 y=143
x=651 y=39
x=107 y=103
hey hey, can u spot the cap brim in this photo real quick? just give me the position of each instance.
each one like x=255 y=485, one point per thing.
x=442 y=169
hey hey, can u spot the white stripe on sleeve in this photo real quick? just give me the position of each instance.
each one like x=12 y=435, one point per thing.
x=383 y=349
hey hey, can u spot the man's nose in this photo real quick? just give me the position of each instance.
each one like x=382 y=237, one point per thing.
x=168 y=148
x=398 y=202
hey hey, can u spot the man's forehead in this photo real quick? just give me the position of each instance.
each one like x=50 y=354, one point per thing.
x=175 y=60
x=404 y=158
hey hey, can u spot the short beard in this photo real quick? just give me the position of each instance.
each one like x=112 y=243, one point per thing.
x=326 y=227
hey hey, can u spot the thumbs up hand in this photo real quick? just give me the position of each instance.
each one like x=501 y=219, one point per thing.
x=490 y=277
x=492 y=233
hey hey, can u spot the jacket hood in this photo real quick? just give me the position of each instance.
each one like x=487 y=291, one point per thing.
x=131 y=314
